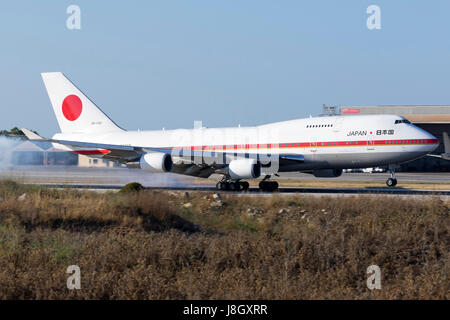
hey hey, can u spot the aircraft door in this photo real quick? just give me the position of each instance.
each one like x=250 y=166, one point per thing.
x=313 y=147
x=370 y=144
x=337 y=125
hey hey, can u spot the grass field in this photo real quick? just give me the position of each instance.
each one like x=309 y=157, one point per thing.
x=172 y=245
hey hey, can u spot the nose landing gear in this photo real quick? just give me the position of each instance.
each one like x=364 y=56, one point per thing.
x=392 y=181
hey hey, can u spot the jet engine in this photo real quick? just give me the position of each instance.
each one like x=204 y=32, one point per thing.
x=327 y=173
x=156 y=162
x=244 y=169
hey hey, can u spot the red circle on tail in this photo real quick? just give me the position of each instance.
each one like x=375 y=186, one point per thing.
x=72 y=107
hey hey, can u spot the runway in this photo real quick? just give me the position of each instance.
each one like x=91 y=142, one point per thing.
x=73 y=174
x=104 y=179
x=432 y=177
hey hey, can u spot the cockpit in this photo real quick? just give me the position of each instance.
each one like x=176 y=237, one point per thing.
x=402 y=121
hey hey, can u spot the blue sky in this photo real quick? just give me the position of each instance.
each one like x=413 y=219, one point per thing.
x=154 y=64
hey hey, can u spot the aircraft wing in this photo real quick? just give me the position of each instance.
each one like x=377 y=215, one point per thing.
x=94 y=145
x=114 y=152
x=446 y=155
x=183 y=163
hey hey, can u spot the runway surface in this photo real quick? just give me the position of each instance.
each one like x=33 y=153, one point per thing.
x=114 y=178
x=73 y=174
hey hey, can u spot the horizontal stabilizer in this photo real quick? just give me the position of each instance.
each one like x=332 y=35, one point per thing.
x=32 y=136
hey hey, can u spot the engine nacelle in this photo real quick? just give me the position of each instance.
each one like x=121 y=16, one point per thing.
x=156 y=162
x=244 y=169
x=327 y=173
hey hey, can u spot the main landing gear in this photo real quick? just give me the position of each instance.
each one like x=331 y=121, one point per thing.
x=226 y=184
x=268 y=186
x=392 y=181
x=232 y=185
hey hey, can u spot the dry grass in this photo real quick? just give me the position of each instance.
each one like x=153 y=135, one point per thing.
x=149 y=245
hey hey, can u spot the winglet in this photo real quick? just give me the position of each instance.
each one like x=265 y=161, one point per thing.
x=32 y=136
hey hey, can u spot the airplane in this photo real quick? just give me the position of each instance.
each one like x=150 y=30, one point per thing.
x=321 y=146
x=446 y=154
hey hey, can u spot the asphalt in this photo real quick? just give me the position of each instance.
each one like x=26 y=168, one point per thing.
x=114 y=178
x=72 y=174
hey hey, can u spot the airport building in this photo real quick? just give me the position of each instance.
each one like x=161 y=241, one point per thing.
x=36 y=153
x=85 y=161
x=39 y=153
x=434 y=119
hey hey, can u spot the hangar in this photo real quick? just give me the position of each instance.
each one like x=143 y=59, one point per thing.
x=433 y=118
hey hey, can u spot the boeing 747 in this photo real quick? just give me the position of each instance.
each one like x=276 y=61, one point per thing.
x=322 y=146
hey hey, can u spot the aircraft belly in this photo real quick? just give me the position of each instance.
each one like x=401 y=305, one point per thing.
x=351 y=160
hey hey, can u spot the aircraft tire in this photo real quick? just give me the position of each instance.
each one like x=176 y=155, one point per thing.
x=275 y=185
x=245 y=185
x=262 y=185
x=391 y=182
x=268 y=186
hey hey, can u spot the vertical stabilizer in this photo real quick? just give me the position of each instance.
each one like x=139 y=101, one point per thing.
x=74 y=111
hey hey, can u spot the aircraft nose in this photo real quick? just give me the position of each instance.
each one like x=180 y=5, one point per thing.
x=431 y=141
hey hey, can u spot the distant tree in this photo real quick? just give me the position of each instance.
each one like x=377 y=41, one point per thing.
x=14 y=132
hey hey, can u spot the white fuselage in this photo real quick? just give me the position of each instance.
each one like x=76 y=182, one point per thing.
x=324 y=142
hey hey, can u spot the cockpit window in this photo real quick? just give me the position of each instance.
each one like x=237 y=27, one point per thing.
x=402 y=121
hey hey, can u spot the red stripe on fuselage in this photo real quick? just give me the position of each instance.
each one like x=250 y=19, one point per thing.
x=319 y=144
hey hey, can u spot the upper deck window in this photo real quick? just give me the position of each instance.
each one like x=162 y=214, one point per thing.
x=319 y=126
